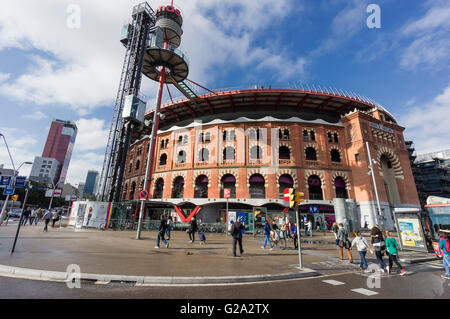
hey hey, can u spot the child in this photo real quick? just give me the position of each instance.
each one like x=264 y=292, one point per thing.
x=391 y=246
x=361 y=245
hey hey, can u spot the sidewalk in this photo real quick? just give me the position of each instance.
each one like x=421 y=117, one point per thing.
x=119 y=253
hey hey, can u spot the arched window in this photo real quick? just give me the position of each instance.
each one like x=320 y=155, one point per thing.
x=257 y=186
x=180 y=139
x=132 y=190
x=284 y=153
x=286 y=134
x=130 y=168
x=252 y=134
x=341 y=190
x=203 y=155
x=162 y=143
x=315 y=187
x=311 y=154
x=336 y=140
x=312 y=134
x=208 y=137
x=224 y=135
x=256 y=153
x=159 y=188
x=232 y=135
x=178 y=187
x=335 y=156
x=201 y=187
x=125 y=190
x=167 y=143
x=305 y=135
x=185 y=139
x=228 y=181
x=163 y=160
x=181 y=158
x=285 y=181
x=138 y=163
x=330 y=139
x=280 y=133
x=228 y=153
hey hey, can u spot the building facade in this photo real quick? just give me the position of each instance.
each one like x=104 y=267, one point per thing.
x=59 y=145
x=90 y=186
x=45 y=170
x=257 y=143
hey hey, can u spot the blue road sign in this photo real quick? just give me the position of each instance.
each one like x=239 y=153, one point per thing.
x=20 y=181
x=8 y=191
x=313 y=209
x=5 y=180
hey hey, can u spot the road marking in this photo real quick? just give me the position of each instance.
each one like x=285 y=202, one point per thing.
x=365 y=292
x=334 y=282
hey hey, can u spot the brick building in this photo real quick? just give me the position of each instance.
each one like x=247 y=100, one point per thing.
x=259 y=142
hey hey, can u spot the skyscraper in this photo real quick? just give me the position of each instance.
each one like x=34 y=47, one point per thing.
x=59 y=145
x=91 y=183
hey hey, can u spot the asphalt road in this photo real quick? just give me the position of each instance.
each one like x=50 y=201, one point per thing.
x=422 y=281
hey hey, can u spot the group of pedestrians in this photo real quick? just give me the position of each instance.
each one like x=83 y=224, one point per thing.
x=380 y=244
x=31 y=216
x=165 y=229
x=271 y=233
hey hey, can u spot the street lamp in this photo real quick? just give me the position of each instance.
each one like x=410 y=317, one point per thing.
x=371 y=172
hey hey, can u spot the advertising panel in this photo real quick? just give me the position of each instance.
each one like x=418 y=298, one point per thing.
x=90 y=214
x=411 y=232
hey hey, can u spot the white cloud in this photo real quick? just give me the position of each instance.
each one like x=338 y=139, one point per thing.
x=92 y=134
x=20 y=145
x=425 y=124
x=81 y=67
x=4 y=77
x=80 y=164
x=38 y=115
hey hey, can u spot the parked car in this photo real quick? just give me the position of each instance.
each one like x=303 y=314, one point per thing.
x=14 y=213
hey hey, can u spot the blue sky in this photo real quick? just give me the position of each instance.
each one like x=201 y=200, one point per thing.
x=48 y=70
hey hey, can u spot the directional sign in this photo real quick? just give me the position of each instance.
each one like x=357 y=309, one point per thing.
x=8 y=191
x=5 y=180
x=313 y=209
x=20 y=181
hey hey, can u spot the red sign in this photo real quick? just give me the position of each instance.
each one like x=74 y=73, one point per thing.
x=286 y=194
x=226 y=192
x=168 y=9
x=143 y=194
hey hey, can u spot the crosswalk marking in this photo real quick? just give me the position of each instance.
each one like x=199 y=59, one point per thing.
x=334 y=282
x=365 y=292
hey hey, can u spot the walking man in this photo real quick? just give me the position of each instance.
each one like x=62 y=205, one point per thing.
x=309 y=226
x=47 y=217
x=26 y=215
x=38 y=216
x=32 y=216
x=267 y=234
x=236 y=232
x=344 y=242
x=444 y=245
x=378 y=245
x=192 y=229
x=161 y=232
x=294 y=234
x=169 y=227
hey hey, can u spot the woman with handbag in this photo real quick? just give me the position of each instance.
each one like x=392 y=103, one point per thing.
x=344 y=243
x=378 y=245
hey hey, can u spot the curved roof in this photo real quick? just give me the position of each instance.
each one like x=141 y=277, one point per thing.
x=263 y=100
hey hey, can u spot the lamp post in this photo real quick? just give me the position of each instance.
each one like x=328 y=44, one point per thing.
x=21 y=214
x=15 y=172
x=371 y=162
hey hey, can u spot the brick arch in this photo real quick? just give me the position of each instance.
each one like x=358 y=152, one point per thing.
x=231 y=144
x=282 y=128
x=344 y=176
x=320 y=174
x=334 y=147
x=260 y=145
x=287 y=145
x=155 y=177
x=226 y=172
x=201 y=172
x=174 y=177
x=256 y=171
x=313 y=146
x=290 y=172
x=393 y=157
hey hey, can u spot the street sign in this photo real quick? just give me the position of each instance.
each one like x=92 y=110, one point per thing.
x=57 y=193
x=286 y=194
x=226 y=192
x=5 y=180
x=8 y=191
x=20 y=181
x=314 y=209
x=143 y=194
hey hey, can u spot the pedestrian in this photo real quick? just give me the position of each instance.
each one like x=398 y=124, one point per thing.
x=344 y=243
x=89 y=215
x=47 y=217
x=25 y=216
x=391 y=247
x=335 y=229
x=55 y=218
x=274 y=233
x=169 y=227
x=318 y=224
x=289 y=226
x=161 y=232
x=309 y=226
x=32 y=216
x=362 y=246
x=444 y=245
x=294 y=235
x=38 y=216
x=236 y=232
x=192 y=229
x=283 y=233
x=378 y=245
x=267 y=234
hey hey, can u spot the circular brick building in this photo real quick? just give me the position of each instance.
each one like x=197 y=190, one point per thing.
x=258 y=142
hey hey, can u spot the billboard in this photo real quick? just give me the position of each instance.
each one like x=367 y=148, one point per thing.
x=90 y=214
x=410 y=233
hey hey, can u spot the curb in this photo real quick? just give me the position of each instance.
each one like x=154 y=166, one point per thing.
x=418 y=260
x=34 y=274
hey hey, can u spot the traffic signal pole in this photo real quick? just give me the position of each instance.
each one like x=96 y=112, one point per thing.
x=20 y=220
x=295 y=198
x=299 y=245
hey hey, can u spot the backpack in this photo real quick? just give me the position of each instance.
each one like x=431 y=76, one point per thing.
x=232 y=229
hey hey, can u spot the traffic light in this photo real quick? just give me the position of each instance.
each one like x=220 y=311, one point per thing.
x=14 y=198
x=295 y=197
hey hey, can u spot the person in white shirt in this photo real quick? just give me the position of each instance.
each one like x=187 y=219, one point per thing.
x=361 y=245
